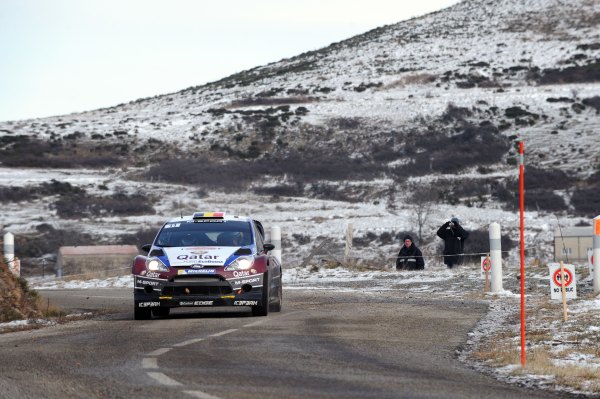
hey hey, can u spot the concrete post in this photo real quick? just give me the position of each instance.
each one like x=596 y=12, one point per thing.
x=496 y=257
x=596 y=254
x=276 y=240
x=348 y=248
x=9 y=250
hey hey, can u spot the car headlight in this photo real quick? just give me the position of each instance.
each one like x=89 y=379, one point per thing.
x=155 y=265
x=241 y=263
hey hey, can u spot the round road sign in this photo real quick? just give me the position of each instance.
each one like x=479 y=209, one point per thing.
x=486 y=264
x=568 y=277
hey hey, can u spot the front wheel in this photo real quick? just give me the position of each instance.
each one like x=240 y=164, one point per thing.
x=276 y=307
x=263 y=308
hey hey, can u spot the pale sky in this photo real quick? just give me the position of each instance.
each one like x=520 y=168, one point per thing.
x=63 y=56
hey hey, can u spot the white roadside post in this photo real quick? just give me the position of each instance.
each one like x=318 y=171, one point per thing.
x=596 y=254
x=496 y=257
x=348 y=247
x=9 y=250
x=276 y=240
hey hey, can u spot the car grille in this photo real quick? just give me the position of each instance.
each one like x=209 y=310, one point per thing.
x=197 y=285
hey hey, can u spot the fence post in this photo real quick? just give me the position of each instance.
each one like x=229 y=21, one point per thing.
x=276 y=240
x=496 y=257
x=596 y=254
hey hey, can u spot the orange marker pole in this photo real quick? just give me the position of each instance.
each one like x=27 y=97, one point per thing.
x=522 y=229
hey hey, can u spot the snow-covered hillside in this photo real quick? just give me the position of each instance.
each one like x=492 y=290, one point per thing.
x=399 y=104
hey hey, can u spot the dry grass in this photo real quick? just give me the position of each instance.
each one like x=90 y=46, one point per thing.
x=551 y=345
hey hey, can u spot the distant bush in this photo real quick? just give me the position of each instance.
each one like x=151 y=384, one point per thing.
x=593 y=102
x=139 y=238
x=585 y=202
x=454 y=113
x=574 y=74
x=537 y=178
x=47 y=240
x=478 y=243
x=31 y=152
x=475 y=146
x=83 y=205
x=307 y=166
x=54 y=187
x=283 y=190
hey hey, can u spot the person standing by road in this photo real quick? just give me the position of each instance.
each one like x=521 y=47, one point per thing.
x=454 y=237
x=409 y=257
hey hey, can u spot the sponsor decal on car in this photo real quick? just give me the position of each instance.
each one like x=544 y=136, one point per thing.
x=196 y=271
x=149 y=274
x=142 y=282
x=172 y=225
x=243 y=273
x=255 y=281
x=245 y=303
x=187 y=256
x=196 y=303
x=148 y=304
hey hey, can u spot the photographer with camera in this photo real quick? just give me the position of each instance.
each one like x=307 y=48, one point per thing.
x=454 y=237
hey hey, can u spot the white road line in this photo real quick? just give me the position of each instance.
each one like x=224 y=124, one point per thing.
x=223 y=332
x=189 y=342
x=163 y=379
x=158 y=352
x=201 y=395
x=149 y=363
x=255 y=323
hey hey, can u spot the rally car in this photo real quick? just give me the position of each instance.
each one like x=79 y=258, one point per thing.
x=207 y=259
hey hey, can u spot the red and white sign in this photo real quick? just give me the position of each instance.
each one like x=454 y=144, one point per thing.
x=591 y=261
x=558 y=279
x=486 y=265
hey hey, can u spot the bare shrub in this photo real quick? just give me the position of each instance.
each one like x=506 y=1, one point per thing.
x=454 y=113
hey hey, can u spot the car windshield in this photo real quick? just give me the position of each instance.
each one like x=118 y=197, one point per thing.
x=223 y=233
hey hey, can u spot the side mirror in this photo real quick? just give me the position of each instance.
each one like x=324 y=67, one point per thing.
x=268 y=247
x=146 y=247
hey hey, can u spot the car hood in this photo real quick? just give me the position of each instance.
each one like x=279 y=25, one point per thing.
x=205 y=256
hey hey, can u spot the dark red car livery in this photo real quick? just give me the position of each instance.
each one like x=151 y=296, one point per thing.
x=207 y=259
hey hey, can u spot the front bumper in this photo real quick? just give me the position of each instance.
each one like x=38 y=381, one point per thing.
x=198 y=291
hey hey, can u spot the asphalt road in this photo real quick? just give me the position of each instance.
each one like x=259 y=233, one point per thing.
x=322 y=345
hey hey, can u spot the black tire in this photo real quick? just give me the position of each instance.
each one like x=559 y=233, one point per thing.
x=276 y=307
x=141 y=313
x=263 y=309
x=161 y=312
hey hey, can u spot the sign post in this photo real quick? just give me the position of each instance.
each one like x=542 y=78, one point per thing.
x=562 y=283
x=562 y=289
x=522 y=231
x=486 y=266
x=596 y=255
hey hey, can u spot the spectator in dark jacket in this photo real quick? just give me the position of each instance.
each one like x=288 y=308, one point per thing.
x=454 y=237
x=409 y=257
